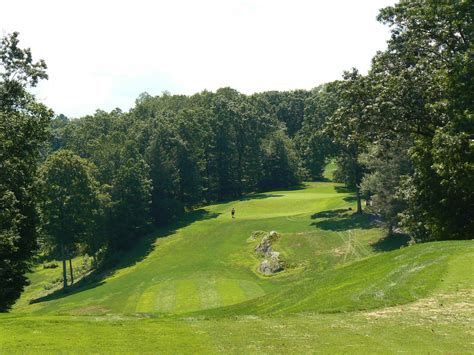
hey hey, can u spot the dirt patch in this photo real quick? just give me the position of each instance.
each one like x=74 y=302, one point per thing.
x=458 y=305
x=341 y=251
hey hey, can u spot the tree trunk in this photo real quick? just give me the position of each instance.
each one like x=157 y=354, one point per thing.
x=208 y=177
x=239 y=173
x=357 y=180
x=71 y=272
x=94 y=258
x=359 y=203
x=63 y=257
x=390 y=229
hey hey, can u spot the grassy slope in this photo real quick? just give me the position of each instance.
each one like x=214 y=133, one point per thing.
x=208 y=262
x=199 y=286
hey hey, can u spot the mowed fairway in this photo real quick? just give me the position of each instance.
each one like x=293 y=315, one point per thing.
x=194 y=287
x=206 y=262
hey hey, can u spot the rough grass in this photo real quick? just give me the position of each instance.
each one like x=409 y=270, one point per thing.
x=194 y=287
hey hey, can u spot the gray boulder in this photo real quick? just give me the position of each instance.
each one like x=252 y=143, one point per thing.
x=265 y=245
x=271 y=265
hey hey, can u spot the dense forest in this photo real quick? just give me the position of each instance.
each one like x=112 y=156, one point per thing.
x=402 y=137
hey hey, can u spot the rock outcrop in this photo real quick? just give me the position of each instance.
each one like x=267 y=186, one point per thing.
x=272 y=262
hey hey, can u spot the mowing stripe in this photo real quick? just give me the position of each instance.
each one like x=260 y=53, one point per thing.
x=230 y=291
x=209 y=294
x=251 y=289
x=146 y=302
x=166 y=297
x=187 y=296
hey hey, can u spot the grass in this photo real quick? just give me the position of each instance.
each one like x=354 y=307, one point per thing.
x=194 y=287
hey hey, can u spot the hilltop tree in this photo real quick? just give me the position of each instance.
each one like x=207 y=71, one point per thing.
x=23 y=129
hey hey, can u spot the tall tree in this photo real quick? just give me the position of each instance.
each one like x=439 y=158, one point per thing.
x=68 y=201
x=425 y=87
x=314 y=146
x=130 y=200
x=23 y=129
x=349 y=127
x=388 y=164
x=280 y=162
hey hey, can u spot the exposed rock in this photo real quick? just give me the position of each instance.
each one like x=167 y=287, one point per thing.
x=271 y=265
x=273 y=235
x=265 y=245
x=255 y=235
x=275 y=254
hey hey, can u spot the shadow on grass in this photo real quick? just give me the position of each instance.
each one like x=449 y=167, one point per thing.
x=344 y=189
x=330 y=213
x=300 y=186
x=391 y=242
x=266 y=193
x=340 y=220
x=128 y=258
x=257 y=196
x=248 y=197
x=350 y=199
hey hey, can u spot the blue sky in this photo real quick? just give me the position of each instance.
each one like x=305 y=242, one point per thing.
x=103 y=54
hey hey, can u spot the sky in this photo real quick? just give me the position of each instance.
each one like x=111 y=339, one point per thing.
x=103 y=54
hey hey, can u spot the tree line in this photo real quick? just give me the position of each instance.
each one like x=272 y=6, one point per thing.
x=402 y=138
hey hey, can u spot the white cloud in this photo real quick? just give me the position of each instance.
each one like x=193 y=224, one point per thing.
x=102 y=54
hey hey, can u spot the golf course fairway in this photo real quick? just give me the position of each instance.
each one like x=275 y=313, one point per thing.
x=195 y=287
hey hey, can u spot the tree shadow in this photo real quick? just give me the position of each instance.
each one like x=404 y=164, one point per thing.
x=296 y=187
x=258 y=196
x=248 y=197
x=344 y=189
x=330 y=213
x=300 y=186
x=391 y=242
x=344 y=221
x=120 y=260
x=350 y=199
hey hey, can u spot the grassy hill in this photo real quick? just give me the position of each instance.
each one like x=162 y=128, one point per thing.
x=195 y=287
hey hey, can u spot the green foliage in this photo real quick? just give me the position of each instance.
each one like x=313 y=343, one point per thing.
x=416 y=93
x=280 y=163
x=130 y=204
x=423 y=80
x=387 y=163
x=201 y=148
x=68 y=200
x=19 y=72
x=348 y=127
x=313 y=145
x=23 y=129
x=440 y=193
x=288 y=107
